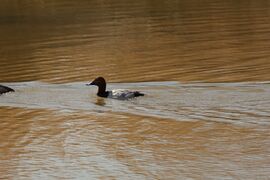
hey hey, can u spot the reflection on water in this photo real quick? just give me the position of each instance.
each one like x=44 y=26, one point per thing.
x=100 y=102
x=48 y=144
x=67 y=41
x=200 y=130
x=238 y=103
x=177 y=131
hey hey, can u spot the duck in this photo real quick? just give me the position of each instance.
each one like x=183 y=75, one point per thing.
x=121 y=94
x=5 y=89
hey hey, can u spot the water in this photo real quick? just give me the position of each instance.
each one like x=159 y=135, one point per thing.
x=239 y=103
x=203 y=66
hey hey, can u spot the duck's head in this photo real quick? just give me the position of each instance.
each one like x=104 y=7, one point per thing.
x=100 y=82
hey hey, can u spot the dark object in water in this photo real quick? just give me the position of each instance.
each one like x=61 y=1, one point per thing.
x=115 y=94
x=5 y=89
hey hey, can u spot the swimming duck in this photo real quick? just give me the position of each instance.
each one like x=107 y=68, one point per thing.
x=5 y=89
x=115 y=94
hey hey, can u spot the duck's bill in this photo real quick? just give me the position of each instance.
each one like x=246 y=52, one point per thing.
x=89 y=84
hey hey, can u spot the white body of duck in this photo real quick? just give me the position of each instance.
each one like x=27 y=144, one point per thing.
x=122 y=94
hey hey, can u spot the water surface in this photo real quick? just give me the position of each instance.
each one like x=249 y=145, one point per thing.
x=203 y=65
x=128 y=41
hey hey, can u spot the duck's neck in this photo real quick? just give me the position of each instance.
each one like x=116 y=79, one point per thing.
x=102 y=91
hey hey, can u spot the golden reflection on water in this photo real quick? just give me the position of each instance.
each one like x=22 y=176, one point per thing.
x=100 y=101
x=134 y=41
x=126 y=145
x=128 y=41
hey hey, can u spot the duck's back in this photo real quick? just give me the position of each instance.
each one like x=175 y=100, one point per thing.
x=123 y=94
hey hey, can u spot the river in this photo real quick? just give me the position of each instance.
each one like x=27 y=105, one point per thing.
x=203 y=66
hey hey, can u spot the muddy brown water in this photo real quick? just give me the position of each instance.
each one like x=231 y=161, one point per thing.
x=203 y=65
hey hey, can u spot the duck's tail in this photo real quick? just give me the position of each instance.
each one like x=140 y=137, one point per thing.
x=137 y=93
